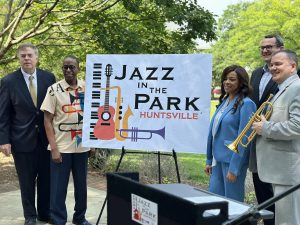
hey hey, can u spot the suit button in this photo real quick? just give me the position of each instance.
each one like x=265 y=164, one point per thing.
x=36 y=126
x=37 y=113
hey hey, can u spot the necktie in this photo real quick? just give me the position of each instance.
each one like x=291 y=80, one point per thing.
x=32 y=89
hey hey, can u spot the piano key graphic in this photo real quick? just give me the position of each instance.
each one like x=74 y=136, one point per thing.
x=97 y=65
x=97 y=72
x=95 y=104
x=95 y=94
x=94 y=115
x=96 y=85
x=92 y=137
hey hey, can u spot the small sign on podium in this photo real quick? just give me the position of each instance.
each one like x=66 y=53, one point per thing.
x=143 y=211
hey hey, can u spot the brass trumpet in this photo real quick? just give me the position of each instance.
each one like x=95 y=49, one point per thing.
x=267 y=105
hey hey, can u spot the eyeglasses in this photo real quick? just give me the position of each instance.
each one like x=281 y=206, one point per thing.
x=267 y=47
x=66 y=67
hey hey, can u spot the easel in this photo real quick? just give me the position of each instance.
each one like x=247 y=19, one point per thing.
x=158 y=153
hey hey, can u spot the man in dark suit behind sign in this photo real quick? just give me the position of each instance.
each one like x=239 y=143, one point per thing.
x=22 y=131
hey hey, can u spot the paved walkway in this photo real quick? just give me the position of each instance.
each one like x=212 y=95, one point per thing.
x=11 y=208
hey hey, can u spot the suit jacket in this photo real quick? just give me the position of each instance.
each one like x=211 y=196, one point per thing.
x=278 y=148
x=21 y=123
x=228 y=128
x=271 y=88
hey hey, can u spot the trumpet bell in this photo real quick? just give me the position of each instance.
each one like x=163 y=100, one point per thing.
x=265 y=109
x=233 y=147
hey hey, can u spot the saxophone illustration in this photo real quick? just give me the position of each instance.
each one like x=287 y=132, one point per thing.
x=118 y=119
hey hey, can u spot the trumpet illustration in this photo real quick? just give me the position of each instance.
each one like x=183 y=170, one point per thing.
x=135 y=133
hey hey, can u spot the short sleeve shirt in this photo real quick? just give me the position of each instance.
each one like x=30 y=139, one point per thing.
x=66 y=104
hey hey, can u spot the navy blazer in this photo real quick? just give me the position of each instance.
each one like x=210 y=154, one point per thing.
x=229 y=126
x=255 y=80
x=21 y=123
x=271 y=88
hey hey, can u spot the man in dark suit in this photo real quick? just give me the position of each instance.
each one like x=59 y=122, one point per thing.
x=263 y=86
x=22 y=131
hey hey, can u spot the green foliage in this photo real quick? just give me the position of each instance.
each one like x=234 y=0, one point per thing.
x=140 y=27
x=213 y=105
x=63 y=27
x=242 y=27
x=132 y=5
x=250 y=198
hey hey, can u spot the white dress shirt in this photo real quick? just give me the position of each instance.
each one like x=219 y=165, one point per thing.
x=26 y=77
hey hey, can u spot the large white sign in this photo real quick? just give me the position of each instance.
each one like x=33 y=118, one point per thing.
x=147 y=102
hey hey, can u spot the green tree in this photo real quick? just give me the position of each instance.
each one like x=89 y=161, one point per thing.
x=243 y=25
x=62 y=27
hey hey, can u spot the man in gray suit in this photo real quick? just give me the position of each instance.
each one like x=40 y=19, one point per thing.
x=278 y=143
x=263 y=86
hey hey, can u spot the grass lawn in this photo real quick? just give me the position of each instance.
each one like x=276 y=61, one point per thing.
x=193 y=167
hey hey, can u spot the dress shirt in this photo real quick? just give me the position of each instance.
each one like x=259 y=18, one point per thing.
x=26 y=77
x=266 y=77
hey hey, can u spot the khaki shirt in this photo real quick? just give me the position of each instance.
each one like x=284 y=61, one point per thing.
x=66 y=104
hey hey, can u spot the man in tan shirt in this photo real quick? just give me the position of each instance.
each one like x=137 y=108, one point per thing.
x=63 y=109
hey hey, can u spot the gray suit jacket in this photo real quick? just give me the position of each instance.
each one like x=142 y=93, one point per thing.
x=278 y=148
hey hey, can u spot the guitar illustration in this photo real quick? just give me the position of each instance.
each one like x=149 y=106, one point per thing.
x=105 y=126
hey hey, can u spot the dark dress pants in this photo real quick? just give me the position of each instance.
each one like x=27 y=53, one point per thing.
x=33 y=169
x=263 y=192
x=60 y=173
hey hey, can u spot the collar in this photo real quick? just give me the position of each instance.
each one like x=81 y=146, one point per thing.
x=286 y=81
x=266 y=68
x=67 y=87
x=226 y=100
x=27 y=75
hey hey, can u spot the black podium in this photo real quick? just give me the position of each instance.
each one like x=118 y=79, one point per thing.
x=131 y=203
x=128 y=201
x=196 y=195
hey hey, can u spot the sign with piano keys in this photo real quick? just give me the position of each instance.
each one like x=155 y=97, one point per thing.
x=147 y=102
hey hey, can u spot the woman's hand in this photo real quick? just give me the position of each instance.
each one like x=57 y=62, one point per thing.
x=231 y=177
x=208 y=169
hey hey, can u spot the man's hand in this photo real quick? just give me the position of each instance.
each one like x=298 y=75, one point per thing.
x=56 y=156
x=6 y=149
x=257 y=126
x=92 y=152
